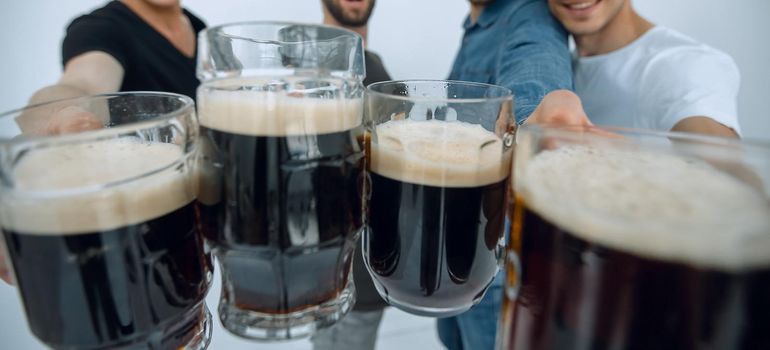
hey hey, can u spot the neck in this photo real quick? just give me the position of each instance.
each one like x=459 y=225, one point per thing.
x=162 y=17
x=623 y=29
x=476 y=10
x=330 y=21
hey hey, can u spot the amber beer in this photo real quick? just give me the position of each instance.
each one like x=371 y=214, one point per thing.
x=634 y=250
x=436 y=213
x=281 y=201
x=104 y=248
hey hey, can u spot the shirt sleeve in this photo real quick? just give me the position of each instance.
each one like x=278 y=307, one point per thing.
x=535 y=58
x=89 y=33
x=690 y=82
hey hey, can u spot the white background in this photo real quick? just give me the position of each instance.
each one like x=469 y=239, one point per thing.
x=416 y=38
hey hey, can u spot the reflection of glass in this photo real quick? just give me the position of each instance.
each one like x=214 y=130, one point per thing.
x=438 y=173
x=637 y=240
x=100 y=226
x=280 y=200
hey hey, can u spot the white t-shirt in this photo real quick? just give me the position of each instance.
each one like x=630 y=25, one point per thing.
x=658 y=80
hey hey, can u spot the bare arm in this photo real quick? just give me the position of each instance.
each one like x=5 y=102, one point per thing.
x=704 y=125
x=563 y=107
x=90 y=73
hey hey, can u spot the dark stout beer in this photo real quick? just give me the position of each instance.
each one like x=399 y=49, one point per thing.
x=281 y=205
x=627 y=250
x=436 y=213
x=109 y=264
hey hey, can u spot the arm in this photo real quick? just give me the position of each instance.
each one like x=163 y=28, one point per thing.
x=704 y=125
x=559 y=107
x=90 y=73
x=693 y=89
x=535 y=59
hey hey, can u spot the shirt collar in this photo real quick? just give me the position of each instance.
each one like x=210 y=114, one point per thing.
x=488 y=16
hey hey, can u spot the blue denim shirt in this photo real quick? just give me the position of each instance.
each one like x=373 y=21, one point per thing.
x=519 y=45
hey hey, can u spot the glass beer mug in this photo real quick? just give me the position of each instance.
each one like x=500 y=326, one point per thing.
x=281 y=125
x=630 y=239
x=100 y=225
x=438 y=162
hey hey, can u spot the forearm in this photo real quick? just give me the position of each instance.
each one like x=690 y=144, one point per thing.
x=59 y=91
x=88 y=74
x=704 y=126
x=36 y=123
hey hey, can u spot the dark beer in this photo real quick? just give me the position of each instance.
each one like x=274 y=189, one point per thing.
x=282 y=206
x=119 y=264
x=436 y=214
x=648 y=252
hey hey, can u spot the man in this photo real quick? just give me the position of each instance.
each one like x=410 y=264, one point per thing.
x=519 y=45
x=358 y=329
x=126 y=45
x=631 y=73
x=354 y=15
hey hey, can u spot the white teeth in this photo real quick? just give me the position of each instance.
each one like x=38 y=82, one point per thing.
x=581 y=6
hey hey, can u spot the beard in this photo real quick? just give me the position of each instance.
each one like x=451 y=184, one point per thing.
x=348 y=21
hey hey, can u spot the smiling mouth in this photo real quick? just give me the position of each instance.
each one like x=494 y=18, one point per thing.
x=582 y=6
x=354 y=3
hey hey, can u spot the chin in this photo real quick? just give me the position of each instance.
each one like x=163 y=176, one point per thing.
x=581 y=28
x=163 y=3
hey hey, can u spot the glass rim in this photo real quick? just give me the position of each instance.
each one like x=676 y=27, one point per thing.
x=507 y=93
x=344 y=32
x=157 y=120
x=599 y=132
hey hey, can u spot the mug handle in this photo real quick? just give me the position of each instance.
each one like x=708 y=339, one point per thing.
x=512 y=274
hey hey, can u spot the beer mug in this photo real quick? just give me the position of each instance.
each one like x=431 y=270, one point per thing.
x=281 y=130
x=438 y=162
x=630 y=239
x=100 y=225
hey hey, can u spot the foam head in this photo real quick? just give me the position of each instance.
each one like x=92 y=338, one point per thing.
x=658 y=206
x=248 y=107
x=95 y=186
x=439 y=153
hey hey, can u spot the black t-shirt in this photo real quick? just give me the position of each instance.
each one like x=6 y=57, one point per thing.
x=375 y=70
x=367 y=298
x=149 y=60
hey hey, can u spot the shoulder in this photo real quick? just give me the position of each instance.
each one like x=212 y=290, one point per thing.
x=681 y=77
x=526 y=11
x=531 y=20
x=511 y=7
x=676 y=54
x=104 y=17
x=673 y=62
x=375 y=69
x=105 y=29
x=372 y=56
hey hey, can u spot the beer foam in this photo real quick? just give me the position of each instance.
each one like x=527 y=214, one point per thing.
x=260 y=113
x=62 y=190
x=659 y=206
x=439 y=153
